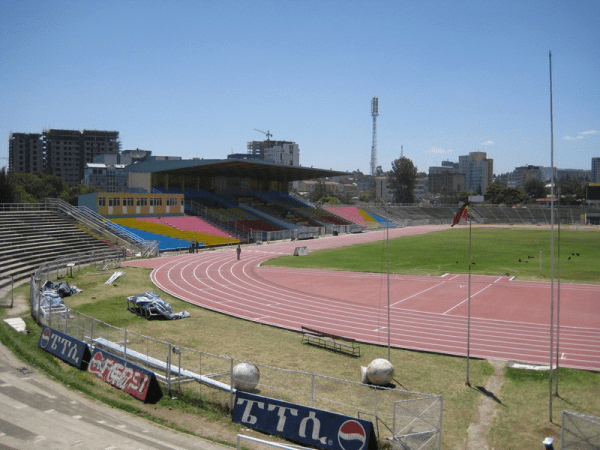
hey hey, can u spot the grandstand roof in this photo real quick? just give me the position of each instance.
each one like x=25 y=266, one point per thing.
x=233 y=168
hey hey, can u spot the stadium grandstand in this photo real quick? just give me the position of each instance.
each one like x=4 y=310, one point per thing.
x=173 y=204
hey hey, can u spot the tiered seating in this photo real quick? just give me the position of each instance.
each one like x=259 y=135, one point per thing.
x=164 y=230
x=350 y=213
x=539 y=215
x=256 y=225
x=356 y=215
x=165 y=243
x=320 y=216
x=210 y=234
x=207 y=199
x=31 y=238
x=241 y=219
x=190 y=223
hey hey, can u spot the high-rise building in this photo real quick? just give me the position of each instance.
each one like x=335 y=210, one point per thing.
x=596 y=170
x=67 y=151
x=446 y=179
x=61 y=152
x=521 y=175
x=277 y=152
x=478 y=170
x=26 y=152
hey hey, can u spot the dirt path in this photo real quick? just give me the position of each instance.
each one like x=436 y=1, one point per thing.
x=487 y=409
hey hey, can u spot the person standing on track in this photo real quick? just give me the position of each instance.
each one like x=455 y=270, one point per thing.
x=238 y=250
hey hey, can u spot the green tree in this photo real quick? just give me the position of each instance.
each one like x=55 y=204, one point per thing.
x=318 y=192
x=535 y=188
x=367 y=196
x=498 y=194
x=402 y=179
x=572 y=190
x=512 y=196
x=494 y=193
x=330 y=201
x=6 y=188
x=35 y=187
x=463 y=196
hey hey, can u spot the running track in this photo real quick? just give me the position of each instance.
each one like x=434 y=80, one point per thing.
x=509 y=319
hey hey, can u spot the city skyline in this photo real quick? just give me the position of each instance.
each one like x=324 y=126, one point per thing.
x=198 y=79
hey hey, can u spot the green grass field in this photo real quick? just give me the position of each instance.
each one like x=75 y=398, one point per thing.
x=523 y=418
x=495 y=251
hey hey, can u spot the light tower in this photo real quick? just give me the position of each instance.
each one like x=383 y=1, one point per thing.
x=374 y=113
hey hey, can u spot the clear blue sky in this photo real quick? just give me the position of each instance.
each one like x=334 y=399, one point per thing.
x=196 y=78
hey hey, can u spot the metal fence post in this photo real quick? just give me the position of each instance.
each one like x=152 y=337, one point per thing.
x=312 y=390
x=125 y=346
x=12 y=287
x=441 y=422
x=375 y=404
x=231 y=405
x=170 y=350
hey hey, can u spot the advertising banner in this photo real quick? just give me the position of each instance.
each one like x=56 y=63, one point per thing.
x=124 y=375
x=65 y=347
x=306 y=426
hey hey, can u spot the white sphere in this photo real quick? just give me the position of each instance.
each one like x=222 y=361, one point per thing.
x=380 y=372
x=245 y=376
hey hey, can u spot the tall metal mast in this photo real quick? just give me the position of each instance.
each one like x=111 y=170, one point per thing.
x=374 y=113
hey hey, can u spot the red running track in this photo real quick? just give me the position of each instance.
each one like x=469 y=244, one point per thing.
x=509 y=319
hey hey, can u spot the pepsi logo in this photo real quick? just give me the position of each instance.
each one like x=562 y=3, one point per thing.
x=45 y=338
x=352 y=435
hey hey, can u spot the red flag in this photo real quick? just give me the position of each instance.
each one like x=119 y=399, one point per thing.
x=462 y=212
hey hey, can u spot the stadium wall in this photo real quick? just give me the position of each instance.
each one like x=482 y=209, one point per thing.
x=114 y=204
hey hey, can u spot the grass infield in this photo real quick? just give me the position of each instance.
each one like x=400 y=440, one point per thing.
x=524 y=254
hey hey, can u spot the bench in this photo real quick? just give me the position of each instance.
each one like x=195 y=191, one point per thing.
x=330 y=341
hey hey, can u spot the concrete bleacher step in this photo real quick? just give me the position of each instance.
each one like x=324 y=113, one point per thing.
x=32 y=238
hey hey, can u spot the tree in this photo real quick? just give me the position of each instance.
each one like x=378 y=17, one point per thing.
x=572 y=190
x=319 y=191
x=402 y=179
x=535 y=188
x=512 y=196
x=6 y=188
x=494 y=193
x=463 y=196
x=35 y=187
x=367 y=196
x=498 y=194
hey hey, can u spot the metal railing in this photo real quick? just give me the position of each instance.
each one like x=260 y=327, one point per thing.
x=105 y=228
x=265 y=443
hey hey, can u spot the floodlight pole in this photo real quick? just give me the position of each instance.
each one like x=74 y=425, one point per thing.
x=468 y=383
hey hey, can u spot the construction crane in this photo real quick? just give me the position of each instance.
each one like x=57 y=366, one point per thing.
x=266 y=133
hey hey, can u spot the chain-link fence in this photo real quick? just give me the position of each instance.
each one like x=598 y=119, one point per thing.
x=7 y=284
x=59 y=269
x=579 y=432
x=200 y=376
x=418 y=423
